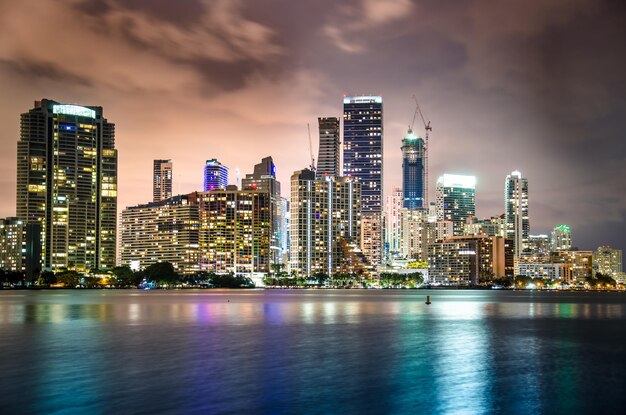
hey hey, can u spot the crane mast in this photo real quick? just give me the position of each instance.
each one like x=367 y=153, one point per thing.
x=427 y=129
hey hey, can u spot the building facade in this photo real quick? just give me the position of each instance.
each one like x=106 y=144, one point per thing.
x=418 y=231
x=325 y=223
x=546 y=271
x=363 y=161
x=328 y=159
x=607 y=261
x=67 y=184
x=456 y=200
x=20 y=247
x=161 y=180
x=516 y=211
x=235 y=231
x=215 y=175
x=413 y=171
x=470 y=260
x=393 y=205
x=561 y=238
x=493 y=226
x=577 y=265
x=167 y=230
x=263 y=179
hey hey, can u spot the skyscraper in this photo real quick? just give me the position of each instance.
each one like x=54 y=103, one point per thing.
x=393 y=226
x=264 y=179
x=325 y=223
x=162 y=180
x=456 y=200
x=235 y=231
x=67 y=182
x=413 y=171
x=329 y=152
x=516 y=212
x=561 y=238
x=215 y=175
x=363 y=160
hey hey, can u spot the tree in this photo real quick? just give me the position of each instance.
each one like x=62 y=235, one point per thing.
x=68 y=278
x=162 y=273
x=125 y=276
x=47 y=278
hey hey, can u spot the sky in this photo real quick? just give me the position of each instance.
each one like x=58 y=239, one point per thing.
x=538 y=87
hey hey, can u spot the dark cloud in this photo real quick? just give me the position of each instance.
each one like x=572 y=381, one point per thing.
x=28 y=70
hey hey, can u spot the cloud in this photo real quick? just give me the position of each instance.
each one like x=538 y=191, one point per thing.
x=355 y=21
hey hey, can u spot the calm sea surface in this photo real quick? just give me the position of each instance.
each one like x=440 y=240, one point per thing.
x=314 y=351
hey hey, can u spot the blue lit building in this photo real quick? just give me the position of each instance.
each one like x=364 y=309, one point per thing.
x=413 y=171
x=215 y=175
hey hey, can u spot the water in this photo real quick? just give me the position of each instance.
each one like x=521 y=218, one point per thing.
x=315 y=351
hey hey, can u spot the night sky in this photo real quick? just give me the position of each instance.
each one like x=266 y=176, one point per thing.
x=538 y=87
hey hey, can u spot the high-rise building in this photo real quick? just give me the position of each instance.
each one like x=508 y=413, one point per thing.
x=393 y=227
x=328 y=163
x=67 y=183
x=417 y=233
x=516 y=211
x=20 y=246
x=464 y=260
x=264 y=179
x=215 y=175
x=162 y=180
x=456 y=200
x=325 y=223
x=235 y=231
x=363 y=160
x=607 y=261
x=413 y=171
x=167 y=230
x=561 y=238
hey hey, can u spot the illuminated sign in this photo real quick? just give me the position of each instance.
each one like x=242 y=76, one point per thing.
x=73 y=110
x=363 y=100
x=456 y=180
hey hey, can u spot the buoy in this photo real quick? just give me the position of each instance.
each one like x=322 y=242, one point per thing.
x=428 y=299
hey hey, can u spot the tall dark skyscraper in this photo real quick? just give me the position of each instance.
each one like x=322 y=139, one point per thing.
x=328 y=158
x=363 y=147
x=215 y=175
x=162 y=180
x=67 y=183
x=413 y=171
x=363 y=160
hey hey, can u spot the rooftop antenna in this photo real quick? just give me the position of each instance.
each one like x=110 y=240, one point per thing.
x=311 y=148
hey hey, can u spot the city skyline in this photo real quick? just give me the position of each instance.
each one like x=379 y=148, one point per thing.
x=542 y=131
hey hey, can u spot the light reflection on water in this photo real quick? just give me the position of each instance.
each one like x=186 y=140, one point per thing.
x=311 y=351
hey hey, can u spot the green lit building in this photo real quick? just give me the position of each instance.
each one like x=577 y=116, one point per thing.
x=561 y=238
x=67 y=183
x=456 y=200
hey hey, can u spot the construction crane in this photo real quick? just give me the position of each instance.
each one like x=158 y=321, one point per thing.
x=311 y=148
x=427 y=129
